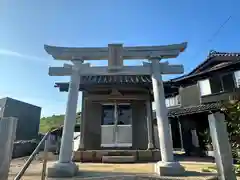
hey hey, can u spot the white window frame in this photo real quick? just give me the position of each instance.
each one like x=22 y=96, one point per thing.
x=237 y=78
x=204 y=91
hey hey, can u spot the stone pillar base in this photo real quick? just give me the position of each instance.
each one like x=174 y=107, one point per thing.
x=169 y=169
x=59 y=170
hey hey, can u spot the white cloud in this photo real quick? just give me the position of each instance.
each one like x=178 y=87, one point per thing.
x=7 y=52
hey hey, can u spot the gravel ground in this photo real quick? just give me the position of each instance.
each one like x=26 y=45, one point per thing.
x=103 y=171
x=109 y=171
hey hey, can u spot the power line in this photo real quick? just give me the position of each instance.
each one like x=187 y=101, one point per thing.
x=215 y=34
x=219 y=29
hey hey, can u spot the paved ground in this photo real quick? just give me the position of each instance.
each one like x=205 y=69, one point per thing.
x=111 y=171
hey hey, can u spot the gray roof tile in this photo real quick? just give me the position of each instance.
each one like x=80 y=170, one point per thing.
x=212 y=54
x=117 y=79
x=194 y=109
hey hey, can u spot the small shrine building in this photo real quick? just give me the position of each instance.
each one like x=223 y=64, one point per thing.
x=116 y=105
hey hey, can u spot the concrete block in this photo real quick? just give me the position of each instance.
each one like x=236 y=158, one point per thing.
x=169 y=169
x=77 y=156
x=221 y=146
x=87 y=156
x=156 y=155
x=61 y=170
x=100 y=154
x=8 y=128
x=145 y=155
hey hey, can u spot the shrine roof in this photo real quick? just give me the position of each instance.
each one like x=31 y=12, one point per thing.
x=182 y=111
x=116 y=80
x=139 y=80
x=120 y=79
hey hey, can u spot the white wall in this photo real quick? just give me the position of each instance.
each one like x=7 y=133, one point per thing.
x=76 y=141
x=124 y=135
x=237 y=78
x=172 y=101
x=204 y=86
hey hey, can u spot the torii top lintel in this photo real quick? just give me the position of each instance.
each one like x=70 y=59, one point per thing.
x=103 y=53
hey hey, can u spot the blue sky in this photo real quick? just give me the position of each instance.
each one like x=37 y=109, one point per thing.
x=26 y=25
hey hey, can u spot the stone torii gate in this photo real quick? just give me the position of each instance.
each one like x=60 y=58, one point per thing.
x=115 y=54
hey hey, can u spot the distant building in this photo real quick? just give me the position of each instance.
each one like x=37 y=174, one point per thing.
x=28 y=117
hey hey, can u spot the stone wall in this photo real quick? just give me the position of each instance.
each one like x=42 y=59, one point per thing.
x=24 y=148
x=96 y=156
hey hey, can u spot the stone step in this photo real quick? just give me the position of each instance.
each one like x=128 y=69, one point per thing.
x=121 y=153
x=118 y=159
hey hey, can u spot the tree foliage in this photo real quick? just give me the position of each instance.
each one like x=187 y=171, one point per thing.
x=54 y=121
x=232 y=112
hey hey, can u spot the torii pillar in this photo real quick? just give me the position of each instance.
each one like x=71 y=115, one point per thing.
x=65 y=167
x=167 y=166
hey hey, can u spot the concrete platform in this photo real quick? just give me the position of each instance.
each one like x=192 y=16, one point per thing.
x=118 y=159
x=109 y=171
x=97 y=155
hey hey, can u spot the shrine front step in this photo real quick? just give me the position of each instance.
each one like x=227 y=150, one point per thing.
x=98 y=155
x=118 y=159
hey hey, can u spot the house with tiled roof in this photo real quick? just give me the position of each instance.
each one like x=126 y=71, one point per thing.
x=194 y=95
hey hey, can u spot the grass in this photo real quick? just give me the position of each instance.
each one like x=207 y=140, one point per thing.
x=51 y=122
x=214 y=169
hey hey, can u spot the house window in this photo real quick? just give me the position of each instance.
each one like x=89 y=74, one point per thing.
x=108 y=115
x=228 y=82
x=223 y=83
x=204 y=86
x=216 y=84
x=124 y=113
x=237 y=78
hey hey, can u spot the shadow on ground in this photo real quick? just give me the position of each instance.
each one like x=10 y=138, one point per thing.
x=183 y=157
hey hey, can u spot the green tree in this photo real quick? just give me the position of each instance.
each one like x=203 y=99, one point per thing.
x=54 y=121
x=232 y=112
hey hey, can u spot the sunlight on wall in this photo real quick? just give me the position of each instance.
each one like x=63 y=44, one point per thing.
x=153 y=106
